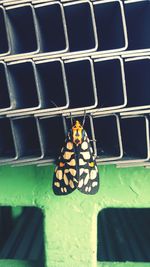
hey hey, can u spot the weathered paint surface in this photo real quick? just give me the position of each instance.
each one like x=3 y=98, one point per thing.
x=71 y=221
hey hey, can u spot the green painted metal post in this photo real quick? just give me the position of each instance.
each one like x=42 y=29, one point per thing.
x=71 y=221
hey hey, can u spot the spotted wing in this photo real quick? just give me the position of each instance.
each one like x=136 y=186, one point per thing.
x=64 y=181
x=87 y=168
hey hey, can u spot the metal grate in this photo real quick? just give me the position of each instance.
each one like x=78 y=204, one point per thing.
x=62 y=57
x=138 y=19
x=23 y=89
x=5 y=102
x=111 y=30
x=111 y=89
x=4 y=44
x=81 y=83
x=26 y=138
x=52 y=38
x=80 y=27
x=22 y=30
x=108 y=138
x=7 y=146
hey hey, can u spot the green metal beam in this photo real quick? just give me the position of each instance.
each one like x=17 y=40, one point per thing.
x=123 y=264
x=17 y=263
x=71 y=221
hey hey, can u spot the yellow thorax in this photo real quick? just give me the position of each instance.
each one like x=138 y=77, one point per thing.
x=77 y=133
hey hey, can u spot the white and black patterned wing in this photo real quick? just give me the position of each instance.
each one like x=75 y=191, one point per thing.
x=65 y=175
x=88 y=181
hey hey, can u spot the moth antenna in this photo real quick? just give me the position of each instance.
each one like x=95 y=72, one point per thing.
x=53 y=103
x=83 y=122
x=93 y=140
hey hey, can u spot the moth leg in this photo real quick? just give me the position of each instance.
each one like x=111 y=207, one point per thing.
x=71 y=119
x=83 y=122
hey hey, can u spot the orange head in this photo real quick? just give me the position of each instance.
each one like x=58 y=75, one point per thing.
x=77 y=133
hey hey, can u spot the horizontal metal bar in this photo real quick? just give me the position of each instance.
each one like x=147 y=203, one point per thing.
x=135 y=112
x=14 y=2
x=41 y=1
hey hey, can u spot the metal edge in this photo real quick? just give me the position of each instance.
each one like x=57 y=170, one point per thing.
x=65 y=86
x=16 y=112
x=93 y=25
x=111 y=109
x=132 y=110
x=113 y=158
x=129 y=162
x=16 y=56
x=36 y=5
x=7 y=33
x=128 y=52
x=123 y=25
x=93 y=82
x=6 y=75
x=18 y=160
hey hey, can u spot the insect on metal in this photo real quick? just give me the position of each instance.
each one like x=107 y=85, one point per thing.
x=76 y=167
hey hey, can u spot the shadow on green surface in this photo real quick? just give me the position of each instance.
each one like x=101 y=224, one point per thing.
x=124 y=235
x=21 y=237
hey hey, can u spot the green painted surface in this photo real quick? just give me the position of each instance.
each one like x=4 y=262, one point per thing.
x=126 y=264
x=16 y=212
x=71 y=221
x=16 y=263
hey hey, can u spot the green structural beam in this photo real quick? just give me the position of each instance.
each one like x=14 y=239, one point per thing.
x=71 y=221
x=123 y=264
x=17 y=263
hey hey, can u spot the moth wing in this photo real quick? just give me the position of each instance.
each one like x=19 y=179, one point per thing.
x=88 y=170
x=65 y=180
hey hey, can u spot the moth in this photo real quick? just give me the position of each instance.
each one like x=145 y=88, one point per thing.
x=76 y=167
